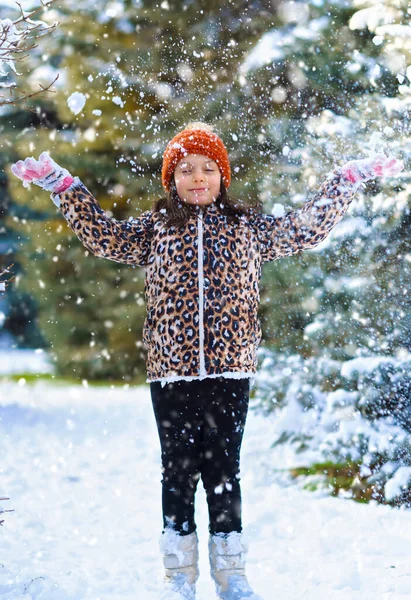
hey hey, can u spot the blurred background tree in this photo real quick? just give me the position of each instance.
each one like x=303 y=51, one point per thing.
x=20 y=29
x=339 y=77
x=294 y=89
x=338 y=374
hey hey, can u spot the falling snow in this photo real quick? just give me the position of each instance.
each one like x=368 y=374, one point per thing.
x=76 y=102
x=81 y=464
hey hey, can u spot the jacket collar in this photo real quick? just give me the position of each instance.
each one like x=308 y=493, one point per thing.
x=209 y=208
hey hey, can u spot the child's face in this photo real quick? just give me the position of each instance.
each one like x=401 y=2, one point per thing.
x=197 y=179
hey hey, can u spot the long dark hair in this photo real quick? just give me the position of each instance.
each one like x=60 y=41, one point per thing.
x=175 y=212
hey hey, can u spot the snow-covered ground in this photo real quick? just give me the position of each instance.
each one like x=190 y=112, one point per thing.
x=24 y=360
x=81 y=466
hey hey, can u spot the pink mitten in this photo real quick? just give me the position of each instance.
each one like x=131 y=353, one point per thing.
x=45 y=173
x=368 y=168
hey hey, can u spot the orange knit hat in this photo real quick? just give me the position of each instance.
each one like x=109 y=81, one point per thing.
x=196 y=138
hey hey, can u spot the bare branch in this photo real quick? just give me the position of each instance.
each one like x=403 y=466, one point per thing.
x=3 y=285
x=4 y=511
x=16 y=44
x=29 y=15
x=26 y=96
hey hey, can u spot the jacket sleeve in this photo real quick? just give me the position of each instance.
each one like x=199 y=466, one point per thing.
x=306 y=227
x=126 y=242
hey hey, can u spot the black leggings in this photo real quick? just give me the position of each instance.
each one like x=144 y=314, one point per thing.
x=200 y=425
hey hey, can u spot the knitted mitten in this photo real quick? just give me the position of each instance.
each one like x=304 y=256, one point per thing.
x=45 y=173
x=358 y=171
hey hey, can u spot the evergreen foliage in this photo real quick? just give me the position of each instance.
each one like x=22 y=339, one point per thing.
x=347 y=301
x=351 y=416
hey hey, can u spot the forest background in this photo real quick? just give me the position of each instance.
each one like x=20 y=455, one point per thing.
x=294 y=89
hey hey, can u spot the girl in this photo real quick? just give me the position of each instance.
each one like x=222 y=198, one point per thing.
x=202 y=252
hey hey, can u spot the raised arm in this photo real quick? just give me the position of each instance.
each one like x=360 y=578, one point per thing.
x=121 y=241
x=306 y=227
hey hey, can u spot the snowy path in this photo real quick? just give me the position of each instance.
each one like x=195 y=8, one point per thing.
x=82 y=469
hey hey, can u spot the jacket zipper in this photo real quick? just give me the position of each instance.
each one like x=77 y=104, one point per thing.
x=201 y=294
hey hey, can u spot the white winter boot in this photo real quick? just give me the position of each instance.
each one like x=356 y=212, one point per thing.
x=227 y=563
x=180 y=559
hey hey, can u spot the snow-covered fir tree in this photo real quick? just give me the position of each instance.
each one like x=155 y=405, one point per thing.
x=345 y=306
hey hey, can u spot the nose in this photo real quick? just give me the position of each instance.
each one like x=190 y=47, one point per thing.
x=199 y=175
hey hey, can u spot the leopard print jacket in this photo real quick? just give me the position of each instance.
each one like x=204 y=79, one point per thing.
x=201 y=281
